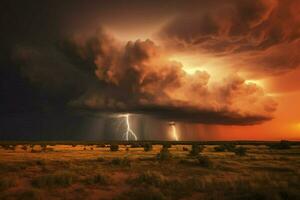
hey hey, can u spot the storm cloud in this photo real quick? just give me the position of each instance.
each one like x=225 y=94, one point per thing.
x=85 y=58
x=96 y=72
x=258 y=32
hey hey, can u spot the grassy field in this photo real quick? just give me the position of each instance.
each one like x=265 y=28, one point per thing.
x=238 y=170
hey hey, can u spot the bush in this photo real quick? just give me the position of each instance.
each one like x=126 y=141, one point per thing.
x=164 y=154
x=220 y=148
x=283 y=144
x=121 y=162
x=204 y=161
x=148 y=147
x=43 y=147
x=229 y=147
x=24 y=147
x=167 y=145
x=114 y=147
x=59 y=179
x=240 y=151
x=9 y=147
x=185 y=149
x=196 y=149
x=135 y=145
x=98 y=179
x=148 y=178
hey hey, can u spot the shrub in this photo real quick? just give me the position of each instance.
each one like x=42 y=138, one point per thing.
x=59 y=179
x=121 y=162
x=24 y=147
x=135 y=145
x=43 y=147
x=283 y=144
x=148 y=147
x=148 y=178
x=196 y=149
x=164 y=154
x=98 y=179
x=220 y=148
x=228 y=146
x=9 y=147
x=240 y=151
x=167 y=145
x=185 y=149
x=204 y=161
x=114 y=147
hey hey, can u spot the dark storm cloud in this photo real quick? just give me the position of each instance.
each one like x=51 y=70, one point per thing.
x=263 y=29
x=67 y=68
x=236 y=26
x=136 y=77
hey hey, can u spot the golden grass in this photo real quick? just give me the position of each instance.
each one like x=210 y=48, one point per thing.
x=70 y=172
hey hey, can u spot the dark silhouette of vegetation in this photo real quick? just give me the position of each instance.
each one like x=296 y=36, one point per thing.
x=220 y=148
x=148 y=147
x=225 y=147
x=196 y=149
x=204 y=161
x=164 y=154
x=135 y=145
x=283 y=144
x=114 y=147
x=24 y=147
x=185 y=149
x=124 y=162
x=240 y=151
x=166 y=145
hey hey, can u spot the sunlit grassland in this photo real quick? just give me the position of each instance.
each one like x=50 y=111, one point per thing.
x=91 y=171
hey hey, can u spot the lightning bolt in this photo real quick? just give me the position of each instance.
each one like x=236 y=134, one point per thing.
x=129 y=131
x=174 y=132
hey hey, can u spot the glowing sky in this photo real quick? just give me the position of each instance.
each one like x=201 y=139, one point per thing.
x=221 y=70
